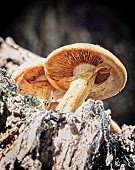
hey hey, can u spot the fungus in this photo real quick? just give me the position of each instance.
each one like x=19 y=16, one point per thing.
x=84 y=71
x=31 y=80
x=115 y=127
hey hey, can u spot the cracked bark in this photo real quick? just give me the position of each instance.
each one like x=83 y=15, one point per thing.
x=12 y=55
x=33 y=138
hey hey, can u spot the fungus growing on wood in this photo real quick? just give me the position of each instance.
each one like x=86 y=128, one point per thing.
x=31 y=80
x=84 y=71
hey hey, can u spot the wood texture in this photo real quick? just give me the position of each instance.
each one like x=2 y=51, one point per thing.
x=32 y=138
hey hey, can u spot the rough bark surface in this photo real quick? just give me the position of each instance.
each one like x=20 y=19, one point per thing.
x=42 y=26
x=12 y=55
x=33 y=138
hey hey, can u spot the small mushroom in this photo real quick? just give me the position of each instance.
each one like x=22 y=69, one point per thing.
x=31 y=80
x=84 y=71
x=115 y=127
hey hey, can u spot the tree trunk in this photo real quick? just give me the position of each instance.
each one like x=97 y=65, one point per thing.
x=33 y=138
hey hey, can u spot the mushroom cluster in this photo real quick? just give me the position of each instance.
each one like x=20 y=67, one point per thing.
x=73 y=73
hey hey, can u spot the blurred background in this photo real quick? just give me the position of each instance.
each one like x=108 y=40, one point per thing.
x=44 y=25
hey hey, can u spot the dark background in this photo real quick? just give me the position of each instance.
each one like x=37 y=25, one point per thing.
x=42 y=26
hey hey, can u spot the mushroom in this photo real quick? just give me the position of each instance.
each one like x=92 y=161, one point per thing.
x=31 y=80
x=115 y=127
x=84 y=71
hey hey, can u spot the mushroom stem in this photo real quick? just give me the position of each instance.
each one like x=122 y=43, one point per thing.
x=114 y=127
x=78 y=91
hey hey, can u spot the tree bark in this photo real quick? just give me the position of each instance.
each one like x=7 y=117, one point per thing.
x=12 y=55
x=34 y=138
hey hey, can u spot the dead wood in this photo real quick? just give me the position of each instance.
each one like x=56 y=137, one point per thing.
x=33 y=138
x=12 y=55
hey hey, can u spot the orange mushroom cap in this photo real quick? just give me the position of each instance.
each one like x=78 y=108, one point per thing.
x=31 y=80
x=62 y=64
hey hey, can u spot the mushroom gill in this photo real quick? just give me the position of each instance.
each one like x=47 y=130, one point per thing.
x=84 y=71
x=31 y=80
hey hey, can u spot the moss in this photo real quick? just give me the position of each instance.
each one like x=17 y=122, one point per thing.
x=3 y=72
x=32 y=101
x=6 y=84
